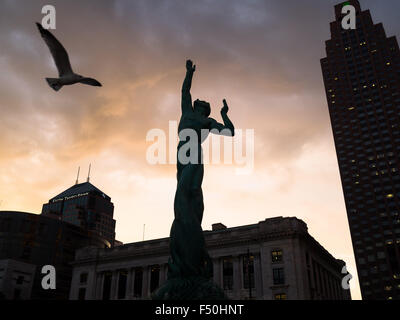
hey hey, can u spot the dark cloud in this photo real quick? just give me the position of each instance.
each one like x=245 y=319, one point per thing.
x=263 y=56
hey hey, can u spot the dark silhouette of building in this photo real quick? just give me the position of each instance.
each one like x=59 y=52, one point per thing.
x=362 y=80
x=38 y=240
x=86 y=206
x=275 y=259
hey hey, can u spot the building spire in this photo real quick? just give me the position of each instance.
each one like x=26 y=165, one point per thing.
x=88 y=177
x=77 y=177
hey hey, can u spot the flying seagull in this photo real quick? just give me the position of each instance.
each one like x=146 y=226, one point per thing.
x=60 y=56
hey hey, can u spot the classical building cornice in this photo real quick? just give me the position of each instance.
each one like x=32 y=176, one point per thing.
x=268 y=230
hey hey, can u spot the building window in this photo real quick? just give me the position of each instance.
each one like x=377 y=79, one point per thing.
x=137 y=288
x=26 y=253
x=122 y=280
x=17 y=294
x=83 y=278
x=280 y=296
x=279 y=276
x=394 y=263
x=227 y=272
x=276 y=255
x=248 y=271
x=107 y=285
x=20 y=279
x=82 y=294
x=154 y=277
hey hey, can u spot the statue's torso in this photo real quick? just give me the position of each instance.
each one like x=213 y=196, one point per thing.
x=199 y=125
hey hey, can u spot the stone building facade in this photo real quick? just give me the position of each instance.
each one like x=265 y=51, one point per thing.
x=271 y=260
x=16 y=279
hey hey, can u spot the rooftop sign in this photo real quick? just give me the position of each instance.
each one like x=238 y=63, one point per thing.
x=71 y=197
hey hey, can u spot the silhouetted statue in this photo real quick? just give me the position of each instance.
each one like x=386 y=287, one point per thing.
x=190 y=266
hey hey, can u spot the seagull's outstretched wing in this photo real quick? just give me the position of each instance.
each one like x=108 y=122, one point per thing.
x=90 y=82
x=57 y=50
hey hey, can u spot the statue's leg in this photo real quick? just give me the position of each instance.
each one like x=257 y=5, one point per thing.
x=197 y=202
x=190 y=266
x=186 y=239
x=198 y=208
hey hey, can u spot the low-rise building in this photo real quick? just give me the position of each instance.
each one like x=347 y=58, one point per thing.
x=39 y=241
x=16 y=279
x=273 y=259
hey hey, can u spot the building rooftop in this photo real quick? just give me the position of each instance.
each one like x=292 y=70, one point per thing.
x=269 y=229
x=80 y=188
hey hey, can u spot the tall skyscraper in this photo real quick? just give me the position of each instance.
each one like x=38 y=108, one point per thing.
x=362 y=80
x=86 y=206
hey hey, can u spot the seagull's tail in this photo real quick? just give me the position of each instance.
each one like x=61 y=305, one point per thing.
x=54 y=83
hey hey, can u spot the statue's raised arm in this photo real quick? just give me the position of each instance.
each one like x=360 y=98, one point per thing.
x=187 y=84
x=225 y=129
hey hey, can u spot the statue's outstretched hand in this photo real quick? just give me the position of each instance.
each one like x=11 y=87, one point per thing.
x=225 y=108
x=189 y=66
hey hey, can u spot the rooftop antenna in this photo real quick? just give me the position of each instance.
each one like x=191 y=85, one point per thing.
x=77 y=177
x=88 y=177
x=144 y=227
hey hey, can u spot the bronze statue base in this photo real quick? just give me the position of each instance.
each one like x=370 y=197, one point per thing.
x=193 y=288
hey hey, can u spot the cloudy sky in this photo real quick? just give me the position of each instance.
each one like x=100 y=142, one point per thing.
x=262 y=56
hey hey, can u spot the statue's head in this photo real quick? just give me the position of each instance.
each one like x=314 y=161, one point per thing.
x=202 y=107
